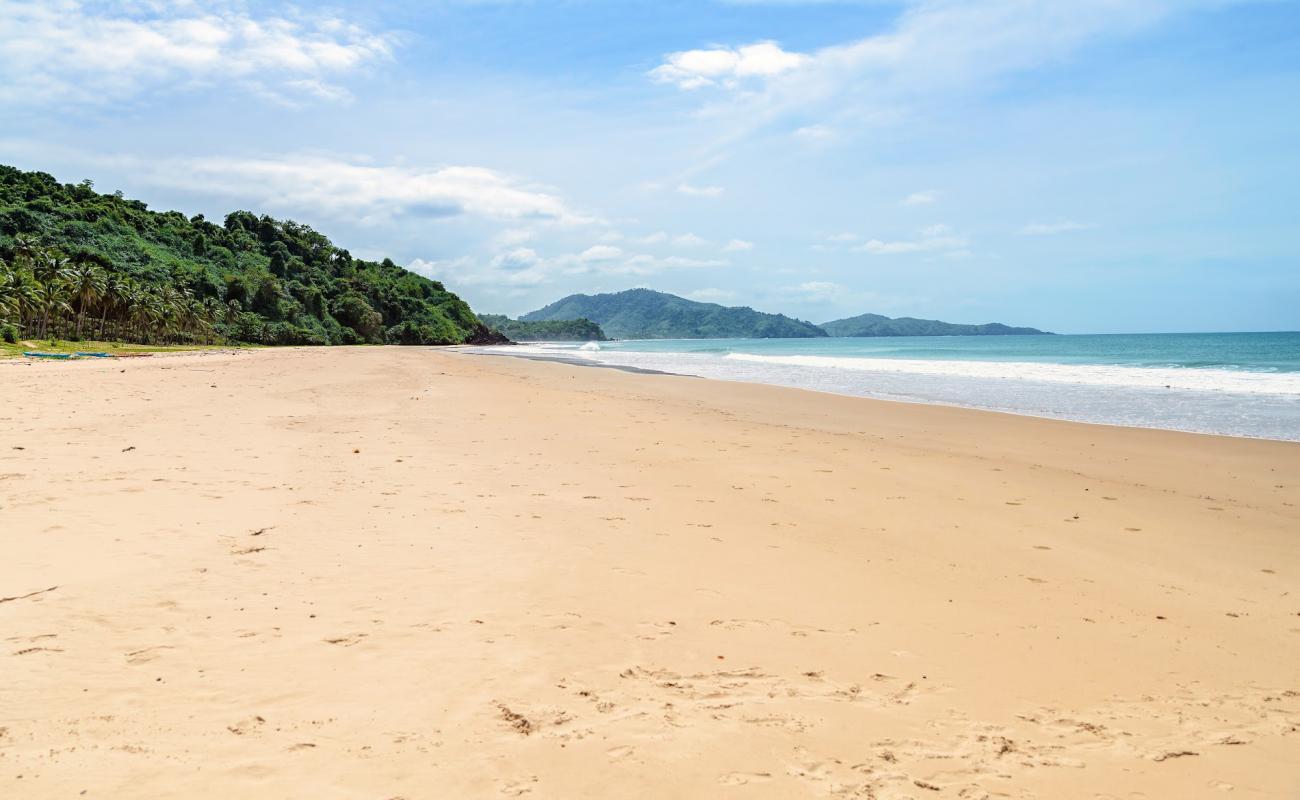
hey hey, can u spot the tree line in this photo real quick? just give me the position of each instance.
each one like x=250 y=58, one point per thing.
x=79 y=264
x=46 y=294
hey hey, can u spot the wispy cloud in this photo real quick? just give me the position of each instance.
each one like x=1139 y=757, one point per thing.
x=66 y=51
x=815 y=291
x=712 y=295
x=934 y=238
x=816 y=134
x=1053 y=228
x=934 y=49
x=339 y=188
x=737 y=246
x=689 y=240
x=699 y=191
x=922 y=198
x=525 y=267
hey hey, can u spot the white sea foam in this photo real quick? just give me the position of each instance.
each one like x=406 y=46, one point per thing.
x=1205 y=400
x=1205 y=380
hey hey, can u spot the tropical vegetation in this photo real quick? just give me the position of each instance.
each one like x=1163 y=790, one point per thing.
x=551 y=330
x=867 y=325
x=77 y=264
x=646 y=314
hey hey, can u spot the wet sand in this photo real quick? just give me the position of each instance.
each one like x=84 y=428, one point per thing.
x=411 y=573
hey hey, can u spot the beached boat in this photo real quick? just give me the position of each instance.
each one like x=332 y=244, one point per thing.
x=81 y=354
x=61 y=356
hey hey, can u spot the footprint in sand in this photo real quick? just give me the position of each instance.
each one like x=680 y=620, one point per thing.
x=146 y=655
x=346 y=641
x=517 y=788
x=30 y=650
x=743 y=778
x=246 y=726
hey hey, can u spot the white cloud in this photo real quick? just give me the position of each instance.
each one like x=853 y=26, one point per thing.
x=934 y=50
x=518 y=258
x=934 y=238
x=1052 y=228
x=525 y=267
x=726 y=66
x=841 y=238
x=816 y=134
x=700 y=191
x=921 y=198
x=658 y=237
x=689 y=240
x=513 y=236
x=682 y=261
x=737 y=246
x=339 y=188
x=815 y=291
x=600 y=252
x=712 y=295
x=68 y=51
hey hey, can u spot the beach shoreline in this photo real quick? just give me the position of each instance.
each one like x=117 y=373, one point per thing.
x=412 y=572
x=1207 y=383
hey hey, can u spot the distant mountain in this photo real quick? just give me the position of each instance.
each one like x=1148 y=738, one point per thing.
x=557 y=330
x=645 y=314
x=877 y=325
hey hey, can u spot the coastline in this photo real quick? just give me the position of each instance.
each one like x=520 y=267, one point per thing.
x=1259 y=403
x=405 y=571
x=578 y=362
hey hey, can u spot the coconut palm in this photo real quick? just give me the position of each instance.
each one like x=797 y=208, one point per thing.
x=86 y=285
x=109 y=299
x=16 y=295
x=26 y=250
x=52 y=300
x=51 y=272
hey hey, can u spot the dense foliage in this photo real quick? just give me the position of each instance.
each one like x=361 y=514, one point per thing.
x=644 y=314
x=551 y=330
x=877 y=325
x=78 y=264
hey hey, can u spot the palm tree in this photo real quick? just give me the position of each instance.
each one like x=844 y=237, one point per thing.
x=109 y=299
x=86 y=284
x=51 y=271
x=26 y=249
x=52 y=299
x=16 y=296
x=131 y=299
x=171 y=306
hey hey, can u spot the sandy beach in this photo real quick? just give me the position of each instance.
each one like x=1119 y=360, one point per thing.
x=412 y=573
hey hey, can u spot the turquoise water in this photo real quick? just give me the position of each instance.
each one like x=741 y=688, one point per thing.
x=1238 y=384
x=1263 y=352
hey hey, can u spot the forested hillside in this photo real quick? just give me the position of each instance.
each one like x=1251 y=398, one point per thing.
x=870 y=325
x=551 y=330
x=77 y=264
x=646 y=314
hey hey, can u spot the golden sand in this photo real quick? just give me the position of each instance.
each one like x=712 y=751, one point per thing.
x=410 y=573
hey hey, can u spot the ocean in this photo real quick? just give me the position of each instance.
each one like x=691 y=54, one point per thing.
x=1236 y=384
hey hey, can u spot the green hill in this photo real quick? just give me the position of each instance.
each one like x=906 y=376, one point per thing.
x=877 y=325
x=77 y=264
x=645 y=314
x=557 y=330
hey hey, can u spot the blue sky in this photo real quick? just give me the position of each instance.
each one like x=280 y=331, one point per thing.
x=1078 y=165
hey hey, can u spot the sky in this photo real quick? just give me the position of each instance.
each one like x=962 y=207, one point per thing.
x=1075 y=165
